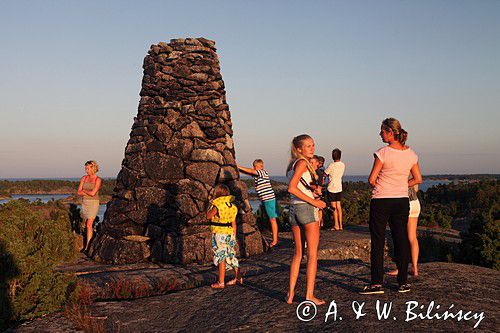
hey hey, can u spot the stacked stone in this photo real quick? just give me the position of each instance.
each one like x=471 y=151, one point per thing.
x=180 y=147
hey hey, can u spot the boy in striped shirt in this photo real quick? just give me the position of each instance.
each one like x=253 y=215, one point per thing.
x=266 y=194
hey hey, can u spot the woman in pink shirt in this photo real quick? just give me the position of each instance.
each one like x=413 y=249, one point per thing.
x=390 y=204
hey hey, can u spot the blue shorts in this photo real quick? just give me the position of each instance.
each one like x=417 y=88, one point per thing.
x=302 y=214
x=271 y=208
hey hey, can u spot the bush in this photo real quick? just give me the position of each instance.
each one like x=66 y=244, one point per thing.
x=34 y=238
x=463 y=199
x=356 y=203
x=263 y=223
x=481 y=243
x=433 y=216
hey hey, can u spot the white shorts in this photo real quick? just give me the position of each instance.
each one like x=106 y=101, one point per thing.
x=414 y=208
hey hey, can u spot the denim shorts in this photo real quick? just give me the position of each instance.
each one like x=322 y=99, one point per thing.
x=271 y=208
x=301 y=214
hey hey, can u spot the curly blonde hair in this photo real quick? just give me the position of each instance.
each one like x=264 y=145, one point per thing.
x=94 y=165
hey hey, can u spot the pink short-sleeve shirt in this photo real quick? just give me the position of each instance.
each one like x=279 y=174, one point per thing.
x=392 y=181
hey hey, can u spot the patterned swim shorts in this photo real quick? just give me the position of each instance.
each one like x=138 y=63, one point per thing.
x=223 y=246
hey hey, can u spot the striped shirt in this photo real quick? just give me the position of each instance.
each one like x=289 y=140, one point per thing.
x=263 y=186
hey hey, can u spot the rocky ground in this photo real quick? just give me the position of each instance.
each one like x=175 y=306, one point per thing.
x=258 y=305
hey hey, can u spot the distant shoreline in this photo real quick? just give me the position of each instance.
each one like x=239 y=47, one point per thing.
x=448 y=177
x=68 y=186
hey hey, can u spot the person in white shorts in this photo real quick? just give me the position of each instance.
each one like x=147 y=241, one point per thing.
x=412 y=230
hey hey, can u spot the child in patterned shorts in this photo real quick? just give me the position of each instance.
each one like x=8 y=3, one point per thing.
x=222 y=214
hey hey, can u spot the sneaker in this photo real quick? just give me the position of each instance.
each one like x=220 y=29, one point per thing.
x=369 y=290
x=404 y=288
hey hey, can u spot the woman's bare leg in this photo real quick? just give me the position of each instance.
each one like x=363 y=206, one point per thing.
x=312 y=239
x=90 y=231
x=295 y=264
x=412 y=236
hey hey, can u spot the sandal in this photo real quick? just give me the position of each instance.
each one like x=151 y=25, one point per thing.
x=218 y=285
x=235 y=281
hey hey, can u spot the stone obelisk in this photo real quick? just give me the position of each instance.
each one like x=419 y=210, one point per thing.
x=180 y=147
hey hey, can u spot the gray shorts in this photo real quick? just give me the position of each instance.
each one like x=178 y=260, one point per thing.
x=302 y=214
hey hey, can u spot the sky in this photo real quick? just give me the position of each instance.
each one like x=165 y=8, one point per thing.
x=71 y=74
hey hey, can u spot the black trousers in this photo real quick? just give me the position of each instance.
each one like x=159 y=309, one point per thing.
x=395 y=211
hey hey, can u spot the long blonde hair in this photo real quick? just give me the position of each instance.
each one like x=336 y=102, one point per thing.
x=296 y=155
x=392 y=124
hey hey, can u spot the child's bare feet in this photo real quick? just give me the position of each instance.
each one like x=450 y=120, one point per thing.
x=217 y=285
x=289 y=298
x=316 y=300
x=392 y=273
x=413 y=272
x=235 y=281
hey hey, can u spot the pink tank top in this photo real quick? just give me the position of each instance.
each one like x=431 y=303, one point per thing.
x=392 y=181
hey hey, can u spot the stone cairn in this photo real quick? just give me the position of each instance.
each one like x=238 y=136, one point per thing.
x=180 y=147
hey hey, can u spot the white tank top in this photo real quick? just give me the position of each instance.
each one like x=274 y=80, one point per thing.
x=307 y=177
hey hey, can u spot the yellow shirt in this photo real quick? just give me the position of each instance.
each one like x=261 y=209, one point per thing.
x=227 y=212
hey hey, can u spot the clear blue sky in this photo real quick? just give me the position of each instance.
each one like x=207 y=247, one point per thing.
x=71 y=74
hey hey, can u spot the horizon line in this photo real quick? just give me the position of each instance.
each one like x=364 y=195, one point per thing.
x=246 y=176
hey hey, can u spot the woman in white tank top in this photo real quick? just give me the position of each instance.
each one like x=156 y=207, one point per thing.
x=302 y=207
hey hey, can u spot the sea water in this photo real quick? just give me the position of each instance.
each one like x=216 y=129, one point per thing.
x=47 y=197
x=255 y=204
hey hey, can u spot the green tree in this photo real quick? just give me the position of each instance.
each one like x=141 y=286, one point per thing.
x=481 y=243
